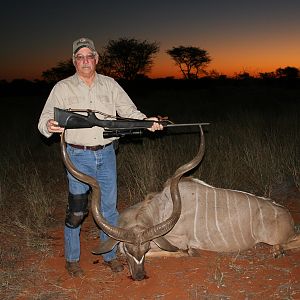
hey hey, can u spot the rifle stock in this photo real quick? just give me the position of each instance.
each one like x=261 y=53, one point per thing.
x=71 y=120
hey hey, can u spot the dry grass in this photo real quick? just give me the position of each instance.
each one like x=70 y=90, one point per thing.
x=26 y=195
x=245 y=152
x=251 y=145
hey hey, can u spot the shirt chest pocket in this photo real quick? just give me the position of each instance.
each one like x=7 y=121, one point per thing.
x=103 y=102
x=105 y=99
x=77 y=102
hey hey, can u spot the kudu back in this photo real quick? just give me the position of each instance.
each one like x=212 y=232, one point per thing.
x=190 y=215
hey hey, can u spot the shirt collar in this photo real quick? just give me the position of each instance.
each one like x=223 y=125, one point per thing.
x=79 y=81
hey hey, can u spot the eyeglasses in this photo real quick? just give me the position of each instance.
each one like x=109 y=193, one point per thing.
x=87 y=57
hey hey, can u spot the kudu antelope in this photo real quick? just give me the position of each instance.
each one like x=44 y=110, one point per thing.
x=210 y=219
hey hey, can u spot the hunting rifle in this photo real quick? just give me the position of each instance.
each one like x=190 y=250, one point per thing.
x=113 y=127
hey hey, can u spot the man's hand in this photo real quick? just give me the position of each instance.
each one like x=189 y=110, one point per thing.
x=155 y=126
x=53 y=127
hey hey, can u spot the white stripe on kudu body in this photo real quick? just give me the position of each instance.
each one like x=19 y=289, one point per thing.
x=225 y=220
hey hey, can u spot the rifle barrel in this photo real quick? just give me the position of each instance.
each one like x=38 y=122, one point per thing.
x=186 y=124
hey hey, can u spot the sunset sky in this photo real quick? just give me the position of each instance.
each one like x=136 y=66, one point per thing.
x=252 y=36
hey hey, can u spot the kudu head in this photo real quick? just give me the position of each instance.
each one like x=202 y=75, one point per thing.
x=135 y=239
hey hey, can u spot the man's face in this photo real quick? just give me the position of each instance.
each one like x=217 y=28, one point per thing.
x=85 y=62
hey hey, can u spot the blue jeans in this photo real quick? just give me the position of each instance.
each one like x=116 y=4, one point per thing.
x=101 y=165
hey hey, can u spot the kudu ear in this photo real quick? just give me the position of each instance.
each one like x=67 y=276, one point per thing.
x=105 y=246
x=164 y=244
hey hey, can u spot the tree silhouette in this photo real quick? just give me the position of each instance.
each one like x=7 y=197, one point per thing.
x=267 y=75
x=287 y=72
x=191 y=60
x=63 y=70
x=127 y=58
x=281 y=73
x=243 y=75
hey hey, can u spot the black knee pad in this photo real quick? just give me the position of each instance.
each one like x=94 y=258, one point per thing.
x=77 y=210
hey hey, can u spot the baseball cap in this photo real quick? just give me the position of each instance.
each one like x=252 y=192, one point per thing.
x=83 y=42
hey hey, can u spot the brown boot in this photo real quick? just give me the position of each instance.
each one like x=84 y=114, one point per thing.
x=74 y=269
x=115 y=265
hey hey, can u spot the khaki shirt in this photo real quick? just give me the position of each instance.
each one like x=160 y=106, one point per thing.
x=105 y=95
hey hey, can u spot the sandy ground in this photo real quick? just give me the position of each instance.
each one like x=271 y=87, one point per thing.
x=251 y=274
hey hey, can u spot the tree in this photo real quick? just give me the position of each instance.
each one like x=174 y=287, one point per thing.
x=191 y=60
x=123 y=58
x=267 y=75
x=243 y=75
x=63 y=70
x=287 y=72
x=127 y=58
x=214 y=74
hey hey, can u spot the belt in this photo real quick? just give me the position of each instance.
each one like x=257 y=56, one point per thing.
x=92 y=148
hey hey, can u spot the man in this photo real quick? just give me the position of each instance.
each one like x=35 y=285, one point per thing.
x=88 y=150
